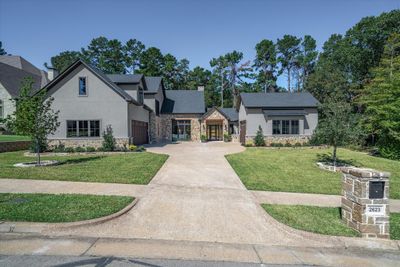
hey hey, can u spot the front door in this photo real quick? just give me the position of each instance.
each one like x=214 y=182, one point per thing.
x=214 y=132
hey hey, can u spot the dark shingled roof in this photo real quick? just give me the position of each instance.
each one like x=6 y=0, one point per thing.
x=125 y=78
x=278 y=100
x=231 y=113
x=11 y=78
x=22 y=64
x=183 y=101
x=153 y=83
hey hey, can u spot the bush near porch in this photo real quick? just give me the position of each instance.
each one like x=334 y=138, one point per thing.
x=295 y=169
x=129 y=168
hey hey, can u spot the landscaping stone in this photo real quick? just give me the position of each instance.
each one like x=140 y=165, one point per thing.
x=42 y=163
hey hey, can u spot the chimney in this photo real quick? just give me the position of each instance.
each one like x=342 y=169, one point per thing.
x=200 y=88
x=52 y=73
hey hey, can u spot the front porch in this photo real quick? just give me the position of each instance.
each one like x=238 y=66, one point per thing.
x=214 y=125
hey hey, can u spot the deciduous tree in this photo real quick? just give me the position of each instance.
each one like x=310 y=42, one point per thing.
x=33 y=116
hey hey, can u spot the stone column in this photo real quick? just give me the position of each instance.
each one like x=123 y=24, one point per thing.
x=365 y=201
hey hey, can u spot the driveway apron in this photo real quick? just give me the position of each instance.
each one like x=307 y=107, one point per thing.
x=196 y=196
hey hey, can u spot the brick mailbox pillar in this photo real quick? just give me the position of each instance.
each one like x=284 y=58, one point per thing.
x=365 y=201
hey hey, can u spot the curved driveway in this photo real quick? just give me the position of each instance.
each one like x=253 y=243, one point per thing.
x=196 y=196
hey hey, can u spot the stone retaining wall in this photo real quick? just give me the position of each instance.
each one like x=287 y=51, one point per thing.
x=88 y=142
x=281 y=139
x=14 y=146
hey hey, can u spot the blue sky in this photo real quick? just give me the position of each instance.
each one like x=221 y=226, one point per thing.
x=197 y=30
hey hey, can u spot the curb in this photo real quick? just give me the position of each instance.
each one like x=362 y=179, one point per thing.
x=32 y=227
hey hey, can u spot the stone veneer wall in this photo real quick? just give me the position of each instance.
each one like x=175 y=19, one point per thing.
x=215 y=116
x=166 y=125
x=95 y=142
x=292 y=139
x=356 y=199
x=152 y=128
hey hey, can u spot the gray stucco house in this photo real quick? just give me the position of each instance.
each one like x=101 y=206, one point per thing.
x=13 y=69
x=283 y=117
x=140 y=110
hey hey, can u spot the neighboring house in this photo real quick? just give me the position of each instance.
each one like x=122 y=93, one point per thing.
x=283 y=117
x=13 y=69
x=140 y=110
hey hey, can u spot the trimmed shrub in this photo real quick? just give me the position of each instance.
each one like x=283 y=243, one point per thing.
x=108 y=139
x=132 y=147
x=203 y=138
x=69 y=150
x=90 y=149
x=80 y=149
x=249 y=143
x=227 y=137
x=259 y=138
x=59 y=148
x=141 y=149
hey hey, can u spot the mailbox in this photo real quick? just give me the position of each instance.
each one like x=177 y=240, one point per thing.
x=376 y=189
x=365 y=201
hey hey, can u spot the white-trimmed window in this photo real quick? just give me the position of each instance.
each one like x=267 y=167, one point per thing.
x=83 y=128
x=82 y=86
x=285 y=127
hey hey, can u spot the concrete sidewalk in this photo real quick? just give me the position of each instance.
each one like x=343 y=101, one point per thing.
x=12 y=244
x=65 y=187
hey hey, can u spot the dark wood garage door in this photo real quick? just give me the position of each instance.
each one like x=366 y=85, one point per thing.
x=140 y=132
x=242 y=132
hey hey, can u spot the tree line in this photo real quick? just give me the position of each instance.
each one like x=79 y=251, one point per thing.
x=229 y=74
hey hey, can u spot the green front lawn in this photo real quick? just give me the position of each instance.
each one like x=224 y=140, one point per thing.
x=8 y=138
x=58 y=208
x=129 y=168
x=395 y=225
x=295 y=170
x=319 y=220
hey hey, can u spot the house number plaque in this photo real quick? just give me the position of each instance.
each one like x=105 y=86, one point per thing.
x=375 y=210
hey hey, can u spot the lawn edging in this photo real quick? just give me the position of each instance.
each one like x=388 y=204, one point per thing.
x=38 y=227
x=97 y=220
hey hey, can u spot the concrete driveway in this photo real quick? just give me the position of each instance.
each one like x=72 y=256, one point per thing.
x=196 y=196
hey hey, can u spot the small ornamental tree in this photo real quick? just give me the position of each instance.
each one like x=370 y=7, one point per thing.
x=259 y=138
x=33 y=116
x=108 y=139
x=338 y=125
